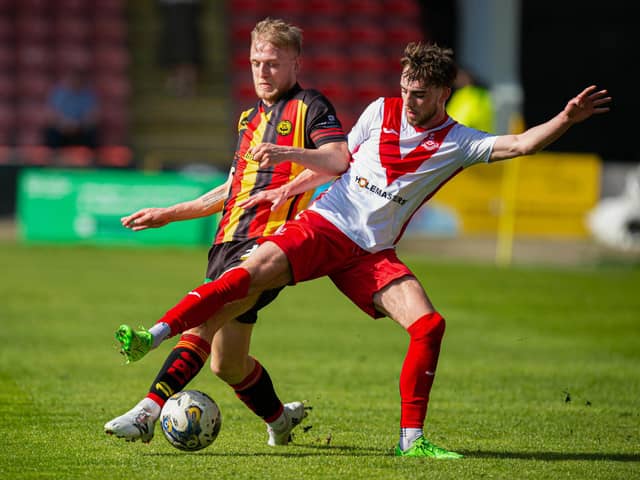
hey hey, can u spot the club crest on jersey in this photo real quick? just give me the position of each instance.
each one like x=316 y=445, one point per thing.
x=284 y=127
x=429 y=143
x=364 y=183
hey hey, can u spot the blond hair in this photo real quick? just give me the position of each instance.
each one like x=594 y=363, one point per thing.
x=278 y=32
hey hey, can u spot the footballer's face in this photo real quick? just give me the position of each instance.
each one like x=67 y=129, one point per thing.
x=424 y=105
x=275 y=70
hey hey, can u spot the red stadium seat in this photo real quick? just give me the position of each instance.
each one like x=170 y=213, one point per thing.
x=34 y=57
x=367 y=90
x=403 y=9
x=333 y=63
x=7 y=58
x=33 y=87
x=73 y=30
x=76 y=156
x=367 y=33
x=110 y=31
x=7 y=30
x=7 y=123
x=32 y=29
x=400 y=33
x=114 y=156
x=337 y=92
x=325 y=34
x=75 y=8
x=7 y=87
x=112 y=59
x=113 y=88
x=6 y=152
x=34 y=154
x=358 y=9
x=328 y=9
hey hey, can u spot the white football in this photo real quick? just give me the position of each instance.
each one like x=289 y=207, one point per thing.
x=190 y=420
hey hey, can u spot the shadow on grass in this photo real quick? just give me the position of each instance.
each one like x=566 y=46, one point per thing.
x=321 y=451
x=351 y=451
x=557 y=456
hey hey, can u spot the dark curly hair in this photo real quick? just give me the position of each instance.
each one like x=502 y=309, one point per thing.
x=429 y=64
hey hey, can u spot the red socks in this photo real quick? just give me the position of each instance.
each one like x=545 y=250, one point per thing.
x=419 y=368
x=203 y=302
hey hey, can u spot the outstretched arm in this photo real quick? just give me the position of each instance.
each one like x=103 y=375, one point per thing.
x=587 y=103
x=307 y=180
x=207 y=204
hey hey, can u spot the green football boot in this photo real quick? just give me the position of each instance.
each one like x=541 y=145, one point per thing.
x=135 y=343
x=423 y=448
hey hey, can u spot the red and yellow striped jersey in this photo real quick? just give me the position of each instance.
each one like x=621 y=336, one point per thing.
x=301 y=118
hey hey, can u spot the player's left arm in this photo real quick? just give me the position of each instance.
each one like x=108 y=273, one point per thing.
x=587 y=103
x=329 y=159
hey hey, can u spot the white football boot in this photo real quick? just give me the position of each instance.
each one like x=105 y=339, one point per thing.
x=137 y=424
x=294 y=413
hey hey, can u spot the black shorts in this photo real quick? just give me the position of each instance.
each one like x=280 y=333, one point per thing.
x=224 y=256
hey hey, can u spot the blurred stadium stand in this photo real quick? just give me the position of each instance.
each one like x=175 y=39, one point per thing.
x=341 y=37
x=39 y=41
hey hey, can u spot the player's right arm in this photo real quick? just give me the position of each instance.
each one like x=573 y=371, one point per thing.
x=207 y=204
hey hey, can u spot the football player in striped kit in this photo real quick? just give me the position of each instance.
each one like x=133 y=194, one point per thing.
x=304 y=126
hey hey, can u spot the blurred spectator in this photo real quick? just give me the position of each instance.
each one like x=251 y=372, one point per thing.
x=470 y=103
x=73 y=111
x=180 y=49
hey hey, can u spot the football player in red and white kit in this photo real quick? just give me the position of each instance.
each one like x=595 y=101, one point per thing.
x=403 y=150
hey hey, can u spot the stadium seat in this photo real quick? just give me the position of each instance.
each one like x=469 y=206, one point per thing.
x=110 y=32
x=32 y=29
x=32 y=87
x=34 y=155
x=112 y=59
x=33 y=6
x=337 y=92
x=71 y=8
x=7 y=87
x=327 y=9
x=113 y=88
x=72 y=30
x=7 y=58
x=7 y=123
x=6 y=154
x=359 y=9
x=333 y=63
x=75 y=156
x=119 y=156
x=402 y=9
x=69 y=55
x=108 y=8
x=7 y=30
x=366 y=33
x=324 y=35
x=400 y=33
x=34 y=57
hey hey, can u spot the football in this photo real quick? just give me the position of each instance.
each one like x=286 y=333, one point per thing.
x=190 y=420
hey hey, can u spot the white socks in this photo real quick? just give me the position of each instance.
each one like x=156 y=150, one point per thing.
x=160 y=331
x=150 y=406
x=281 y=423
x=408 y=436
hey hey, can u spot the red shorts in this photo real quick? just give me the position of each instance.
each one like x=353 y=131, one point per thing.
x=315 y=248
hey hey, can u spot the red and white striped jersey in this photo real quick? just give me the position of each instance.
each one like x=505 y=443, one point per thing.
x=394 y=170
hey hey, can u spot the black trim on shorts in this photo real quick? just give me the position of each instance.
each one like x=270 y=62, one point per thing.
x=223 y=256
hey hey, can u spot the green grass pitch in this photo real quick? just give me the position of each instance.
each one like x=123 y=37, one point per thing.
x=539 y=375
